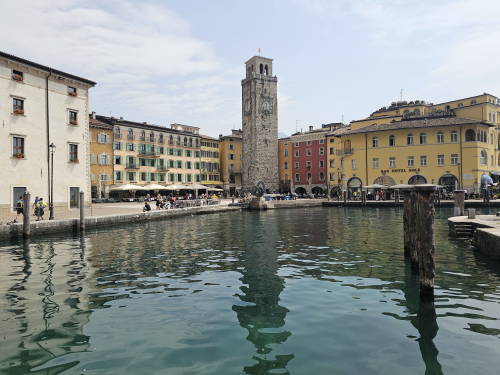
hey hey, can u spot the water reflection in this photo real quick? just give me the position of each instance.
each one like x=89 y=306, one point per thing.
x=175 y=279
x=261 y=314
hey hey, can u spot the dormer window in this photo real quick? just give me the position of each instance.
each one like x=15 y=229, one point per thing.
x=17 y=75
x=72 y=91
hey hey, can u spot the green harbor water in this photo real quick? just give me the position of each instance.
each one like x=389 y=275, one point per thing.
x=298 y=291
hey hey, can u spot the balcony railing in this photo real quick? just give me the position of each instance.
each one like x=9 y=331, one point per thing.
x=153 y=154
x=130 y=137
x=344 y=152
x=118 y=136
x=162 y=168
x=132 y=166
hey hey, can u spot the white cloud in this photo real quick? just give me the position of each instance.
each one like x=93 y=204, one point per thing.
x=143 y=56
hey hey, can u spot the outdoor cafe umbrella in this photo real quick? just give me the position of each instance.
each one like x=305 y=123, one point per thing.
x=375 y=186
x=126 y=187
x=154 y=187
x=215 y=189
x=174 y=187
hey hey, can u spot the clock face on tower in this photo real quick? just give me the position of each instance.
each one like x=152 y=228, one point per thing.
x=266 y=105
x=248 y=106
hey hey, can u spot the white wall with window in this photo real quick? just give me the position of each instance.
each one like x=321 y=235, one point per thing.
x=24 y=151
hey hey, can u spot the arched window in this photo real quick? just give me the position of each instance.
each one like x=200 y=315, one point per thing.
x=152 y=137
x=483 y=157
x=392 y=140
x=374 y=141
x=261 y=69
x=178 y=140
x=347 y=146
x=185 y=141
x=266 y=70
x=470 y=135
x=171 y=139
x=409 y=139
x=143 y=135
x=190 y=142
x=117 y=131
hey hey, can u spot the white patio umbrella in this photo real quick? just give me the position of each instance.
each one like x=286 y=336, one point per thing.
x=174 y=187
x=215 y=189
x=375 y=186
x=154 y=187
x=126 y=187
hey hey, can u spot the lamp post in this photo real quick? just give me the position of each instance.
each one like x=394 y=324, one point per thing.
x=52 y=148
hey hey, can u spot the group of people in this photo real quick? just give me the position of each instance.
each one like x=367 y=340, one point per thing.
x=168 y=202
x=39 y=206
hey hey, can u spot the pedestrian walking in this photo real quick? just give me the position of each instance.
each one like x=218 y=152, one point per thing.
x=19 y=208
x=40 y=209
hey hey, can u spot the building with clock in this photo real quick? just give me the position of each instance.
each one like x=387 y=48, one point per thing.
x=260 y=125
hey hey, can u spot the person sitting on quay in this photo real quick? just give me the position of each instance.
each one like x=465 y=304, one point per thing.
x=146 y=207
x=40 y=209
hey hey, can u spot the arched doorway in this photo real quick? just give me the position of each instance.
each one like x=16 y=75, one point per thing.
x=417 y=180
x=449 y=182
x=336 y=192
x=384 y=180
x=300 y=191
x=317 y=190
x=354 y=186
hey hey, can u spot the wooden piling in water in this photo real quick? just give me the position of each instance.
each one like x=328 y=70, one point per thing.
x=26 y=215
x=459 y=202
x=423 y=204
x=363 y=197
x=82 y=211
x=409 y=227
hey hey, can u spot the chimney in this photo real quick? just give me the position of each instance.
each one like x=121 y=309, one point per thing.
x=93 y=115
x=121 y=118
x=310 y=127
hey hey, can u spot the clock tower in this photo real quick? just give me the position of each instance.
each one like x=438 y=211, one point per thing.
x=260 y=124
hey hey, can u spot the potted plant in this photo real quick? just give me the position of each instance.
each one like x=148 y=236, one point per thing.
x=72 y=93
x=19 y=155
x=19 y=111
x=17 y=77
x=73 y=122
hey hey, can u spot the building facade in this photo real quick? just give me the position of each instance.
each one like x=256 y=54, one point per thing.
x=451 y=144
x=42 y=106
x=231 y=154
x=285 y=165
x=150 y=154
x=210 y=161
x=260 y=124
x=101 y=157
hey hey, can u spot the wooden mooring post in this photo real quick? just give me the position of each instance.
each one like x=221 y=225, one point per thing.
x=459 y=202
x=26 y=214
x=363 y=197
x=82 y=211
x=418 y=220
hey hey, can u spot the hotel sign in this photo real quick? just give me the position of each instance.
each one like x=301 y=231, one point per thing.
x=401 y=170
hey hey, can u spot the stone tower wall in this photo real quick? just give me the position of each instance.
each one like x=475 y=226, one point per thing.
x=260 y=127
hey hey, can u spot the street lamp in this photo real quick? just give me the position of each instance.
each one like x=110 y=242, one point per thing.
x=52 y=148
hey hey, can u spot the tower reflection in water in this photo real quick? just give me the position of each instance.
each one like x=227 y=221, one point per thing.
x=261 y=314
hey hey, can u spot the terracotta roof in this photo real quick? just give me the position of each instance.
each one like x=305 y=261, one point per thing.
x=94 y=123
x=428 y=122
x=45 y=68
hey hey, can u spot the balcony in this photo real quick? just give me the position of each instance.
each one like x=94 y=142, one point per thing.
x=132 y=166
x=151 y=154
x=162 y=168
x=118 y=136
x=344 y=152
x=130 y=137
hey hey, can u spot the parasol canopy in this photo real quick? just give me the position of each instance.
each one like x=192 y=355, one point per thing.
x=126 y=187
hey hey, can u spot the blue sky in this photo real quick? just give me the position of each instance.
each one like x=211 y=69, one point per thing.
x=182 y=60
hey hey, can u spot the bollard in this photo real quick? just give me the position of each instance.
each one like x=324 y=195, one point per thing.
x=363 y=197
x=424 y=238
x=471 y=213
x=82 y=211
x=459 y=199
x=26 y=214
x=345 y=198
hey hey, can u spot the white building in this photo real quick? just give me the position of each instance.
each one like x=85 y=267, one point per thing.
x=40 y=106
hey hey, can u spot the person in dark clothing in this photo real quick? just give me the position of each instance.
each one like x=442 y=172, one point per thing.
x=147 y=207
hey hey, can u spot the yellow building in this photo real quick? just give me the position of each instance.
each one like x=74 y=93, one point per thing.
x=230 y=161
x=101 y=157
x=452 y=144
x=285 y=164
x=210 y=161
x=150 y=154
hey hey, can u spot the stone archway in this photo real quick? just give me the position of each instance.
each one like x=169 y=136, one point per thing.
x=317 y=190
x=417 y=180
x=449 y=182
x=354 y=185
x=300 y=190
x=384 y=180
